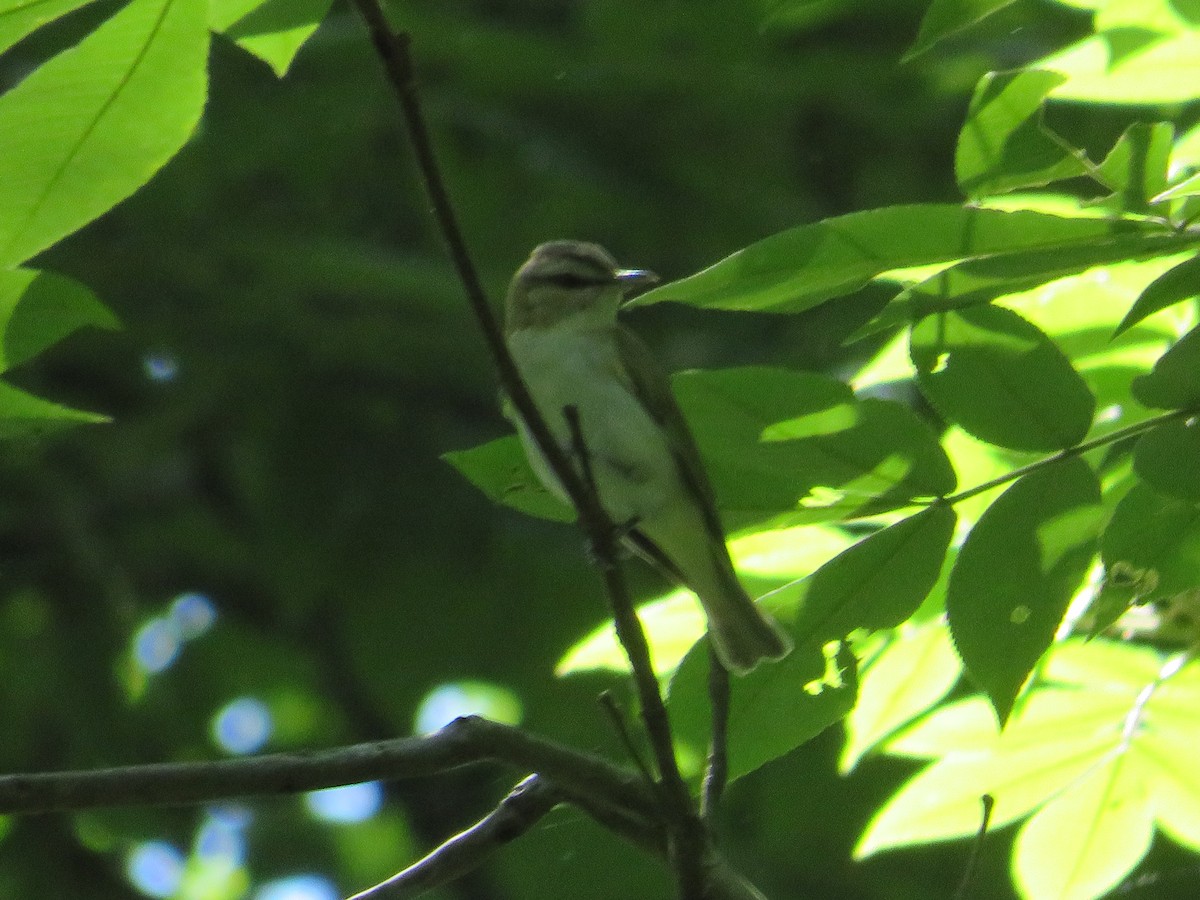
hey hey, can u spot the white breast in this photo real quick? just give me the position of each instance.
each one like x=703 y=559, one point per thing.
x=634 y=469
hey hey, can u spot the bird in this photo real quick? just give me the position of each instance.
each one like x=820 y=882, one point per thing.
x=562 y=331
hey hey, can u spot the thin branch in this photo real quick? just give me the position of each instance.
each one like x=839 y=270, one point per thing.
x=689 y=844
x=617 y=717
x=716 y=771
x=1078 y=450
x=964 y=886
x=525 y=806
x=393 y=49
x=462 y=742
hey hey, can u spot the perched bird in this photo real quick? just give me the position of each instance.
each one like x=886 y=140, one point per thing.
x=561 y=328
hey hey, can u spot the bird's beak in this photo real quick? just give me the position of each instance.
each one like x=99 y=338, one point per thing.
x=634 y=280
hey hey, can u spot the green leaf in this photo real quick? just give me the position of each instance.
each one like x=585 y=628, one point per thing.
x=1089 y=838
x=778 y=442
x=1175 y=381
x=499 y=469
x=1168 y=459
x=944 y=18
x=803 y=267
x=1002 y=145
x=38 y=309
x=773 y=710
x=1001 y=378
x=1017 y=571
x=92 y=125
x=1131 y=65
x=24 y=415
x=980 y=281
x=20 y=17
x=1170 y=288
x=1136 y=168
x=1155 y=535
x=1056 y=737
x=272 y=30
x=674 y=622
x=914 y=671
x=877 y=583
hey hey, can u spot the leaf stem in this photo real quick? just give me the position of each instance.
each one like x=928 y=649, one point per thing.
x=1078 y=450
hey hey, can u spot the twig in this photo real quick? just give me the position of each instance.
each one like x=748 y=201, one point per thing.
x=463 y=741
x=716 y=771
x=1078 y=450
x=523 y=808
x=689 y=839
x=964 y=886
x=615 y=715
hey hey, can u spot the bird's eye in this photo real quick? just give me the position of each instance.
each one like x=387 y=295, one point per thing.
x=571 y=280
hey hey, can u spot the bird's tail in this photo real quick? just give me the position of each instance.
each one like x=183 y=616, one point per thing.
x=742 y=634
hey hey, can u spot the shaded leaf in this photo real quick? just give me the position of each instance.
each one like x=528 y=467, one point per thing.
x=1175 y=381
x=499 y=469
x=944 y=18
x=773 y=710
x=38 y=309
x=124 y=101
x=803 y=267
x=1157 y=536
x=1170 y=288
x=1002 y=145
x=1017 y=571
x=878 y=582
x=776 y=442
x=1168 y=459
x=1001 y=378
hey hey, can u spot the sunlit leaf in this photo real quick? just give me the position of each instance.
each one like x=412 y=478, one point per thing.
x=1136 y=168
x=24 y=415
x=1000 y=378
x=916 y=669
x=1130 y=64
x=1017 y=571
x=1088 y=838
x=1021 y=768
x=1002 y=145
x=124 y=101
x=18 y=18
x=801 y=268
x=273 y=30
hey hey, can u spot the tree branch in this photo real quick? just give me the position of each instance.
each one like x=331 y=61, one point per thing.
x=716 y=771
x=523 y=808
x=462 y=742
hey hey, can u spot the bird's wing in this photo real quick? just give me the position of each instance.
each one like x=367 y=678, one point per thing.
x=652 y=387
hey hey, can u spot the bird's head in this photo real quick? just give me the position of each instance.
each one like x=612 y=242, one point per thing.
x=569 y=283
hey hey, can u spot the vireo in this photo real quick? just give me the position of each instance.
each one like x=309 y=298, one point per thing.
x=561 y=328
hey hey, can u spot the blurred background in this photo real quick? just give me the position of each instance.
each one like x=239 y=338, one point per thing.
x=264 y=551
